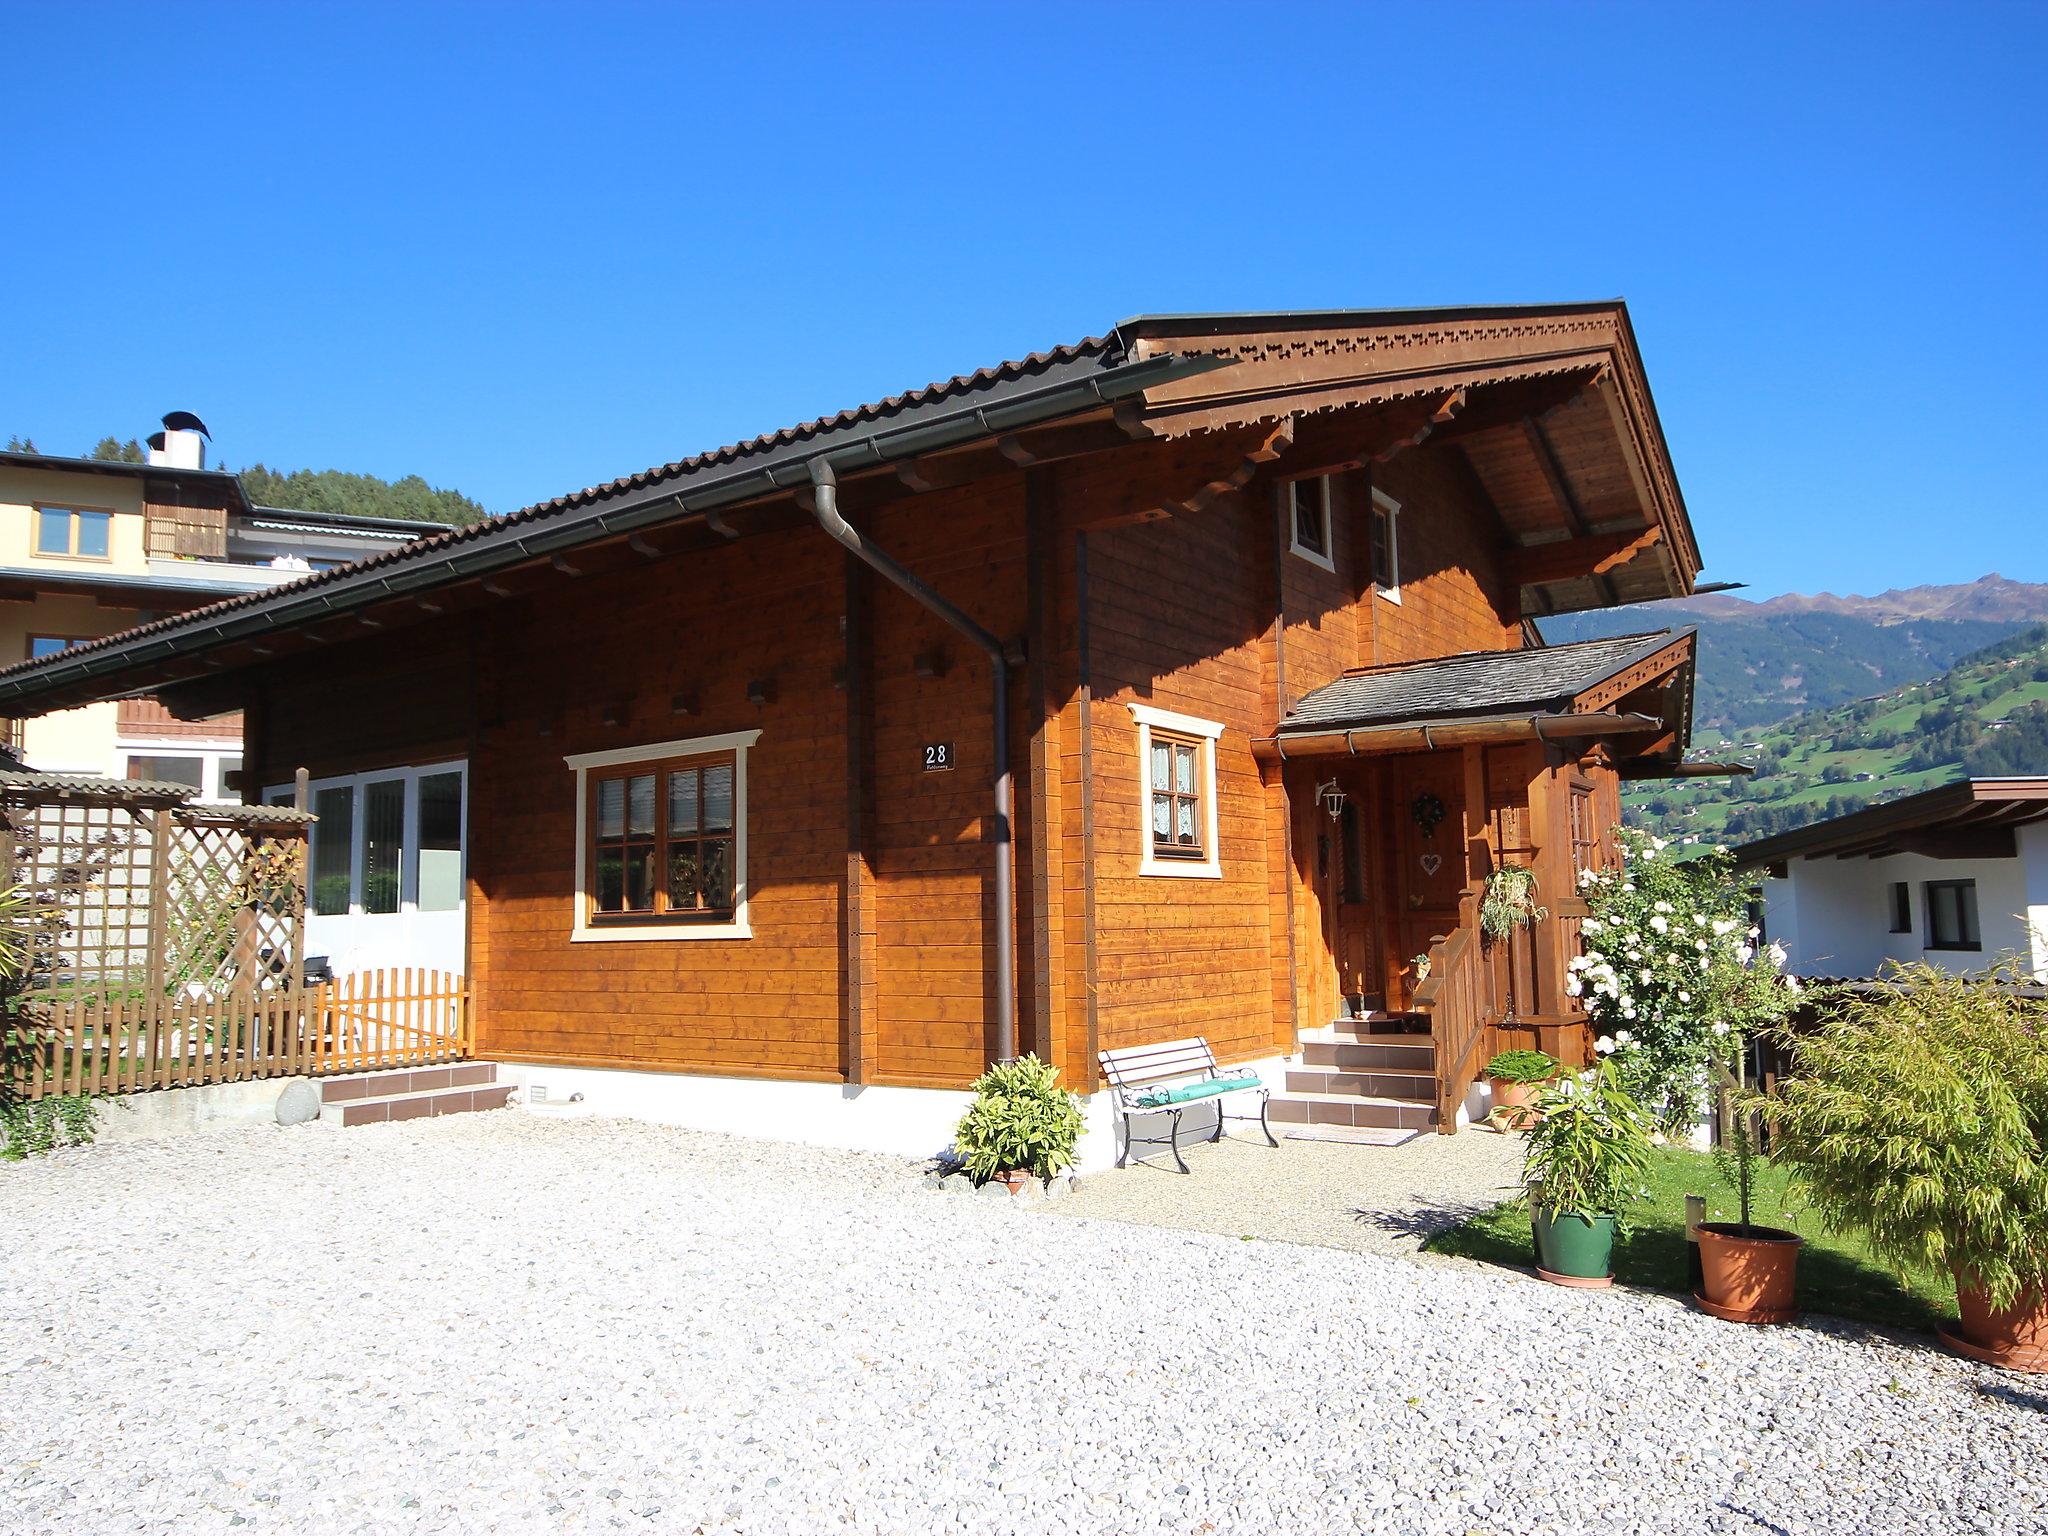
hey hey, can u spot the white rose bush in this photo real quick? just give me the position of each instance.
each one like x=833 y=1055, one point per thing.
x=1673 y=976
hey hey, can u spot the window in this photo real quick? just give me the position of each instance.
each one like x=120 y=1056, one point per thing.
x=80 y=531
x=1952 y=914
x=662 y=840
x=1902 y=907
x=1353 y=849
x=189 y=771
x=1308 y=520
x=40 y=646
x=440 y=842
x=1177 y=819
x=1177 y=779
x=1386 y=546
x=334 y=845
x=386 y=844
x=383 y=844
x=1585 y=847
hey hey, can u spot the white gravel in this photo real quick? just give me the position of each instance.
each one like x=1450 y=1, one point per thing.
x=506 y=1323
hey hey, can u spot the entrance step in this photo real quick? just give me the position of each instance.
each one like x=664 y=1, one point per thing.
x=1352 y=1109
x=1328 y=1048
x=1418 y=1088
x=373 y=1098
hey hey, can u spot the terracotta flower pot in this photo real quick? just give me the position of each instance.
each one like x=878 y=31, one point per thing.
x=1016 y=1180
x=1514 y=1104
x=2015 y=1337
x=1749 y=1276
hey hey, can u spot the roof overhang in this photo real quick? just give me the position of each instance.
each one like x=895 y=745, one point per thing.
x=1641 y=706
x=161 y=483
x=993 y=406
x=1548 y=404
x=1969 y=819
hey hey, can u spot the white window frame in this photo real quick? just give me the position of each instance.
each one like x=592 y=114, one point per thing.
x=1327 y=556
x=1207 y=732
x=1382 y=502
x=409 y=836
x=582 y=930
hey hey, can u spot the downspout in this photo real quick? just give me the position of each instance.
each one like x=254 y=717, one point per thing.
x=825 y=507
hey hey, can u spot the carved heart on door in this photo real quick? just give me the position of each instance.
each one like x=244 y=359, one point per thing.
x=1432 y=862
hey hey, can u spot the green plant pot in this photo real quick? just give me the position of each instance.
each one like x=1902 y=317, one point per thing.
x=1573 y=1247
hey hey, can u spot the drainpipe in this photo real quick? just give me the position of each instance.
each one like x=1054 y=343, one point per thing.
x=825 y=507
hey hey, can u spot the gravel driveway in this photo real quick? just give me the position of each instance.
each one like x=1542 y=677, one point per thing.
x=502 y=1322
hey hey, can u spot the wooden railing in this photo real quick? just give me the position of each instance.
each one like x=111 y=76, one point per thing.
x=121 y=1041
x=1458 y=997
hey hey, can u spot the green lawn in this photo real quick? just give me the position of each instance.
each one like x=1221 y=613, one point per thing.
x=1836 y=1274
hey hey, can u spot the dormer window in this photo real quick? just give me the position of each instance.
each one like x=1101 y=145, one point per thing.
x=1308 y=520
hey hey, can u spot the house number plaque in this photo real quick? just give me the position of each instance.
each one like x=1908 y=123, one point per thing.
x=938 y=756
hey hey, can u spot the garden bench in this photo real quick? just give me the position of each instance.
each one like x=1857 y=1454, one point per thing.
x=1165 y=1079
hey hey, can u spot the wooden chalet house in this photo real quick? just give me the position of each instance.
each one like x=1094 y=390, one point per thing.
x=1179 y=682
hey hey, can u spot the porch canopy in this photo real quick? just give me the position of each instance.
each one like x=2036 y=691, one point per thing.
x=1632 y=691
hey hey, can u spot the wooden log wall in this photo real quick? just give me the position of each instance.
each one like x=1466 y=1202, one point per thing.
x=871 y=878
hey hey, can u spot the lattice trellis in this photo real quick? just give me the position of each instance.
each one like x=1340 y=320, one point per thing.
x=139 y=900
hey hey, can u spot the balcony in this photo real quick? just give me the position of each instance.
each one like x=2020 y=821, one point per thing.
x=147 y=720
x=185 y=533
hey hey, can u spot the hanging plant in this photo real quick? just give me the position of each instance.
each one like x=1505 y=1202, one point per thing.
x=1509 y=902
x=1428 y=811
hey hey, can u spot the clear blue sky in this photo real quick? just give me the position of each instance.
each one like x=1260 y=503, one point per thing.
x=521 y=249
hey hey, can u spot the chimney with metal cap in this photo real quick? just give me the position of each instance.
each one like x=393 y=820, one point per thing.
x=181 y=444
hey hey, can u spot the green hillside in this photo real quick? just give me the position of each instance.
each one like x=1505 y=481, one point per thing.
x=1756 y=669
x=1987 y=715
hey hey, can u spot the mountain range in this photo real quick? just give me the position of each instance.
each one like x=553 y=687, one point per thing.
x=1762 y=661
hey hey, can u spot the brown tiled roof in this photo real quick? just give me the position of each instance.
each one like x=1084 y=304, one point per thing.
x=1105 y=351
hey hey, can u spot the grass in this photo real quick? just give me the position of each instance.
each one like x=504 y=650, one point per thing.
x=1837 y=1274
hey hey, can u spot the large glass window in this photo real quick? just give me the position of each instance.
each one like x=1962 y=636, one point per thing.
x=383 y=844
x=334 y=842
x=440 y=841
x=189 y=771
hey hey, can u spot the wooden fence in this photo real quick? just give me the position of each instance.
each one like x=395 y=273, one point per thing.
x=130 y=1042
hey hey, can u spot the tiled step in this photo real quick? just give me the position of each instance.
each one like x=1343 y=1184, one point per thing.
x=372 y=1098
x=377 y=1085
x=1352 y=1109
x=1418 y=1086
x=1368 y=1053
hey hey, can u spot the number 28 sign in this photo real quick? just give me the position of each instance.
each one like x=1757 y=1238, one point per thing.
x=938 y=756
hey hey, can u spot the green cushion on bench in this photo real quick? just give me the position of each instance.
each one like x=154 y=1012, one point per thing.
x=1159 y=1098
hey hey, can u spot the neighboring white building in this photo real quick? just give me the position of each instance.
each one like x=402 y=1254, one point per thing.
x=1956 y=877
x=91 y=547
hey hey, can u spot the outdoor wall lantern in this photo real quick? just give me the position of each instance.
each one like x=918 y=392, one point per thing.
x=1332 y=798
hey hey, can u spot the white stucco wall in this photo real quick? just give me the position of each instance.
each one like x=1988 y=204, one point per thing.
x=1834 y=915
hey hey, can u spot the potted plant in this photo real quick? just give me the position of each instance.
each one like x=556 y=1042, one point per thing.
x=1917 y=1114
x=1021 y=1126
x=1509 y=902
x=1586 y=1154
x=1749 y=1273
x=1516 y=1079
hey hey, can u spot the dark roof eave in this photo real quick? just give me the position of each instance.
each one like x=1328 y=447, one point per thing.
x=1930 y=807
x=921 y=428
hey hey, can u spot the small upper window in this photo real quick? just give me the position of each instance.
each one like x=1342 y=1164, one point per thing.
x=1386 y=546
x=1902 y=907
x=40 y=646
x=1952 y=915
x=1308 y=513
x=80 y=531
